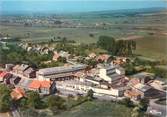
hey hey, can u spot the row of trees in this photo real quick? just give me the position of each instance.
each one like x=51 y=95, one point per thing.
x=117 y=47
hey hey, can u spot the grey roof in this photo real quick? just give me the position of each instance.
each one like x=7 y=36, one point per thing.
x=142 y=87
x=143 y=75
x=29 y=70
x=62 y=69
x=23 y=67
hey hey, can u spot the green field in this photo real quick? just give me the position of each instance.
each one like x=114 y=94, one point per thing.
x=98 y=109
x=150 y=26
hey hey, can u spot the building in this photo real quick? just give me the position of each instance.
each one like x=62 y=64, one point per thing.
x=43 y=87
x=103 y=57
x=9 y=67
x=55 y=56
x=143 y=77
x=4 y=75
x=83 y=87
x=59 y=73
x=132 y=94
x=17 y=93
x=92 y=55
x=112 y=73
x=19 y=69
x=30 y=73
x=143 y=90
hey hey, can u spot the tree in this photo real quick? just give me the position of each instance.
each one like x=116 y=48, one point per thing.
x=135 y=112
x=55 y=102
x=143 y=104
x=5 y=98
x=34 y=99
x=106 y=43
x=117 y=47
x=90 y=94
x=127 y=102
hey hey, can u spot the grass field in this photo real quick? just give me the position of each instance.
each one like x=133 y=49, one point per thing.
x=98 y=109
x=149 y=45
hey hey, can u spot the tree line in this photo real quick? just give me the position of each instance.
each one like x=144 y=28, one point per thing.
x=117 y=47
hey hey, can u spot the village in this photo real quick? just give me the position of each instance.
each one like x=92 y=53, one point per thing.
x=108 y=81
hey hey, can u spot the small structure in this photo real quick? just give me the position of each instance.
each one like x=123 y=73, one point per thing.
x=17 y=93
x=4 y=75
x=30 y=73
x=103 y=57
x=9 y=67
x=143 y=90
x=143 y=77
x=19 y=69
x=132 y=94
x=92 y=55
x=55 y=56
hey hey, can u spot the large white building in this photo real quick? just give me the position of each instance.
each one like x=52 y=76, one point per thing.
x=60 y=73
x=111 y=73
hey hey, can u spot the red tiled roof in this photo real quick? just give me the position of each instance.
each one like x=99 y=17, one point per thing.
x=103 y=57
x=134 y=81
x=45 y=84
x=17 y=93
x=3 y=74
x=36 y=84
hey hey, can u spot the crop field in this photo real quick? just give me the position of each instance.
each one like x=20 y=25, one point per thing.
x=149 y=31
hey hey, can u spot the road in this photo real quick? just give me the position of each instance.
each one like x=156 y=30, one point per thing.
x=15 y=112
x=159 y=110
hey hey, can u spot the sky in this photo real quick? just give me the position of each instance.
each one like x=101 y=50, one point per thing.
x=67 y=6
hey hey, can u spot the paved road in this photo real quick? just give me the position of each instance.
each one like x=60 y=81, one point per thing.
x=157 y=109
x=15 y=112
x=5 y=115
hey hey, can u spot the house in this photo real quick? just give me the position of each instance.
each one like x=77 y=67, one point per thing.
x=119 y=60
x=64 y=54
x=92 y=55
x=43 y=87
x=17 y=93
x=111 y=73
x=158 y=84
x=143 y=90
x=9 y=67
x=60 y=73
x=143 y=77
x=4 y=75
x=15 y=80
x=19 y=69
x=30 y=73
x=132 y=94
x=103 y=57
x=55 y=56
x=45 y=50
